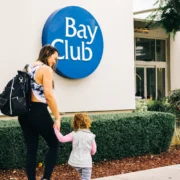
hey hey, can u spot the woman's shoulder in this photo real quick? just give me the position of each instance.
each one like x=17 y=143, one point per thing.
x=46 y=69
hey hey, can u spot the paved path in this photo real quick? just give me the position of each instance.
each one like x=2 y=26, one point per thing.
x=163 y=173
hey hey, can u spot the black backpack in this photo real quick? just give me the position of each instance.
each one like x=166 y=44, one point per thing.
x=16 y=97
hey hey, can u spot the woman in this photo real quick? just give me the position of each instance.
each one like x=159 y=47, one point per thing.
x=38 y=121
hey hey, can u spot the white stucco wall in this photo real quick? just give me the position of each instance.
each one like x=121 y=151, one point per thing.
x=175 y=61
x=110 y=87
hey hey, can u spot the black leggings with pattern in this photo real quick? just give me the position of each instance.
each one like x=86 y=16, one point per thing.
x=39 y=122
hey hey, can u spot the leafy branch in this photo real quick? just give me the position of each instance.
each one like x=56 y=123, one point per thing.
x=167 y=15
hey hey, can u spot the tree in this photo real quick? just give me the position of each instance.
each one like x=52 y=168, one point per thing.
x=167 y=15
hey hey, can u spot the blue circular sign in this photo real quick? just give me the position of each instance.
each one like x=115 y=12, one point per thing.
x=78 y=37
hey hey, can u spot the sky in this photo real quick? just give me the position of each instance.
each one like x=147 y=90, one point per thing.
x=139 y=5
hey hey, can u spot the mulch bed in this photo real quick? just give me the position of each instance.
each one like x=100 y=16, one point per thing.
x=105 y=168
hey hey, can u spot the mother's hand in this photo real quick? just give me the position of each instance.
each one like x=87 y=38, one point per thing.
x=57 y=124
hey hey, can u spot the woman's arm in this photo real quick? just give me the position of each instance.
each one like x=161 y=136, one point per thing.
x=94 y=147
x=61 y=138
x=48 y=91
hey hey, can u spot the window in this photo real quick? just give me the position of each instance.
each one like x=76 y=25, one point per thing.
x=145 y=49
x=161 y=82
x=151 y=67
x=150 y=50
x=160 y=50
x=151 y=83
x=140 y=82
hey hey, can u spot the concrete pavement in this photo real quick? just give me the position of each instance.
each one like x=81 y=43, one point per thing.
x=162 y=173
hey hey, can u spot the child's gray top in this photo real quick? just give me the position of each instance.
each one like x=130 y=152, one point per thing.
x=81 y=148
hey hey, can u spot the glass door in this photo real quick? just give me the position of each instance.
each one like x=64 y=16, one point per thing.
x=146 y=82
x=140 y=82
x=150 y=83
x=161 y=83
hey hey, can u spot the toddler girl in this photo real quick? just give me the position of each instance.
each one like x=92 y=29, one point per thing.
x=83 y=145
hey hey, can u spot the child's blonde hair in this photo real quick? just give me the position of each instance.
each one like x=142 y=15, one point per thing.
x=81 y=121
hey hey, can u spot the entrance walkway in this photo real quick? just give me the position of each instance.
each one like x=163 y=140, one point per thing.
x=163 y=173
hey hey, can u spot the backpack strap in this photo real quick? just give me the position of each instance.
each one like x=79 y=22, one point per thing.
x=26 y=68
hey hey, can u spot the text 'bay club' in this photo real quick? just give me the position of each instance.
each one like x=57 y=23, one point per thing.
x=86 y=37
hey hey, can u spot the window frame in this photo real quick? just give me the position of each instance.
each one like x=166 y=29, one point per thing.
x=150 y=64
x=155 y=55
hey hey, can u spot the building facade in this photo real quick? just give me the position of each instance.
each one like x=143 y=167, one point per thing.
x=110 y=86
x=152 y=61
x=132 y=60
x=156 y=58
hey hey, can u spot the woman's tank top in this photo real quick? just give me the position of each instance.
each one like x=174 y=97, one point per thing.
x=37 y=89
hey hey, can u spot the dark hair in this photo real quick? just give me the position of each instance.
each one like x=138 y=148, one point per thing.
x=45 y=52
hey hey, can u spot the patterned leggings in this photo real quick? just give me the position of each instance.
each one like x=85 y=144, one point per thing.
x=84 y=172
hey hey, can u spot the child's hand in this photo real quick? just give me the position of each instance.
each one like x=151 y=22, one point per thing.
x=57 y=124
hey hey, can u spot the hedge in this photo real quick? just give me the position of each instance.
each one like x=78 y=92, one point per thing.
x=117 y=136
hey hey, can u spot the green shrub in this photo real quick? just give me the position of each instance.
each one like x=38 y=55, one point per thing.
x=174 y=98
x=141 y=105
x=157 y=105
x=117 y=136
x=174 y=101
x=160 y=106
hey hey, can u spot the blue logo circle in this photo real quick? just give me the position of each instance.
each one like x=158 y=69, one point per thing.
x=78 y=37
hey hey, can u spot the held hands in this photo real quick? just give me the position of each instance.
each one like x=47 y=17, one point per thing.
x=57 y=124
